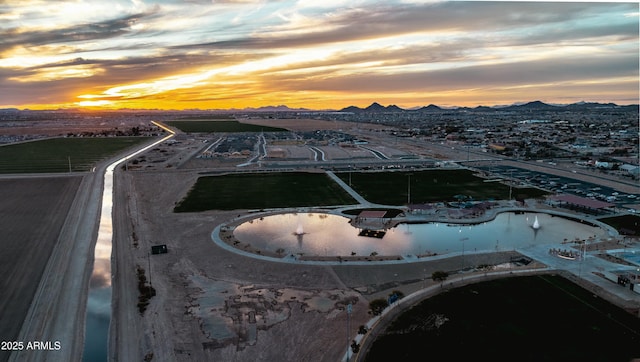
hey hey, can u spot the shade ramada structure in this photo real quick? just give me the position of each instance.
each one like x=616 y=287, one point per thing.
x=372 y=214
x=583 y=202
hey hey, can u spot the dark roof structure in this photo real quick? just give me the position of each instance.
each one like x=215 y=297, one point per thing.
x=372 y=214
x=582 y=201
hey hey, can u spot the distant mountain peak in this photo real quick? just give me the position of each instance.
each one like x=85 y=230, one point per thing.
x=535 y=105
x=278 y=108
x=394 y=108
x=519 y=106
x=430 y=107
x=375 y=107
x=351 y=109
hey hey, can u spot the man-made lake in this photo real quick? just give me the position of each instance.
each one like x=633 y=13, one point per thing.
x=322 y=234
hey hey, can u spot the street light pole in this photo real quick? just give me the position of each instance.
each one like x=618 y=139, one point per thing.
x=409 y=190
x=463 y=264
x=510 y=183
x=463 y=258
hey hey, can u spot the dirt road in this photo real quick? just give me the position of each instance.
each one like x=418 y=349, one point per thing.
x=127 y=339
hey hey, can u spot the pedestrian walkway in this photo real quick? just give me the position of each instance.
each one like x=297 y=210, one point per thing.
x=348 y=189
x=584 y=269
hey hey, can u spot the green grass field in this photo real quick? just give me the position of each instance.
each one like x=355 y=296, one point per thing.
x=53 y=155
x=539 y=318
x=259 y=191
x=220 y=125
x=391 y=188
x=276 y=190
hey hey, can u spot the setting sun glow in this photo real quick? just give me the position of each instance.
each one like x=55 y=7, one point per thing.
x=325 y=55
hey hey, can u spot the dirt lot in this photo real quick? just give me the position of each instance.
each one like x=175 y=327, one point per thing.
x=32 y=213
x=212 y=304
x=215 y=305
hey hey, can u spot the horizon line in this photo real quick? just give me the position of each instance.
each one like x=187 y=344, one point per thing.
x=302 y=109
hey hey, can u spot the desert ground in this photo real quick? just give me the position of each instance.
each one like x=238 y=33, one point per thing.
x=210 y=303
x=33 y=211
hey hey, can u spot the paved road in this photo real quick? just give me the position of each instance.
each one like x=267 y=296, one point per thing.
x=581 y=269
x=585 y=269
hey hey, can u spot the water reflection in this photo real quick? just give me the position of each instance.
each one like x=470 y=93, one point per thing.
x=332 y=235
x=97 y=324
x=101 y=276
x=99 y=299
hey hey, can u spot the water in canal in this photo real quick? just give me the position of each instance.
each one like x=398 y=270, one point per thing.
x=99 y=300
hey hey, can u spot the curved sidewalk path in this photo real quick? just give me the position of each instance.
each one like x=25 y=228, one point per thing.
x=583 y=270
x=349 y=190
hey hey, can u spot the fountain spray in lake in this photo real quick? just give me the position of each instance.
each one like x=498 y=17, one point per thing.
x=299 y=231
x=333 y=235
x=536 y=224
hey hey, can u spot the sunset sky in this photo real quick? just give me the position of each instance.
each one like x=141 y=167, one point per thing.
x=319 y=54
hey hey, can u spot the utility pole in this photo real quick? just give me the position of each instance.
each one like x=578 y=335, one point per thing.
x=349 y=309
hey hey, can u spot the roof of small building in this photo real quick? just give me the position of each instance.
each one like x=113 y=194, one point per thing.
x=372 y=214
x=582 y=201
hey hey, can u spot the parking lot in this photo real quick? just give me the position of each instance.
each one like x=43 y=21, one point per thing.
x=561 y=184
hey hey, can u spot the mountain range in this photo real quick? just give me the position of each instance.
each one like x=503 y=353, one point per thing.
x=375 y=107
x=530 y=106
